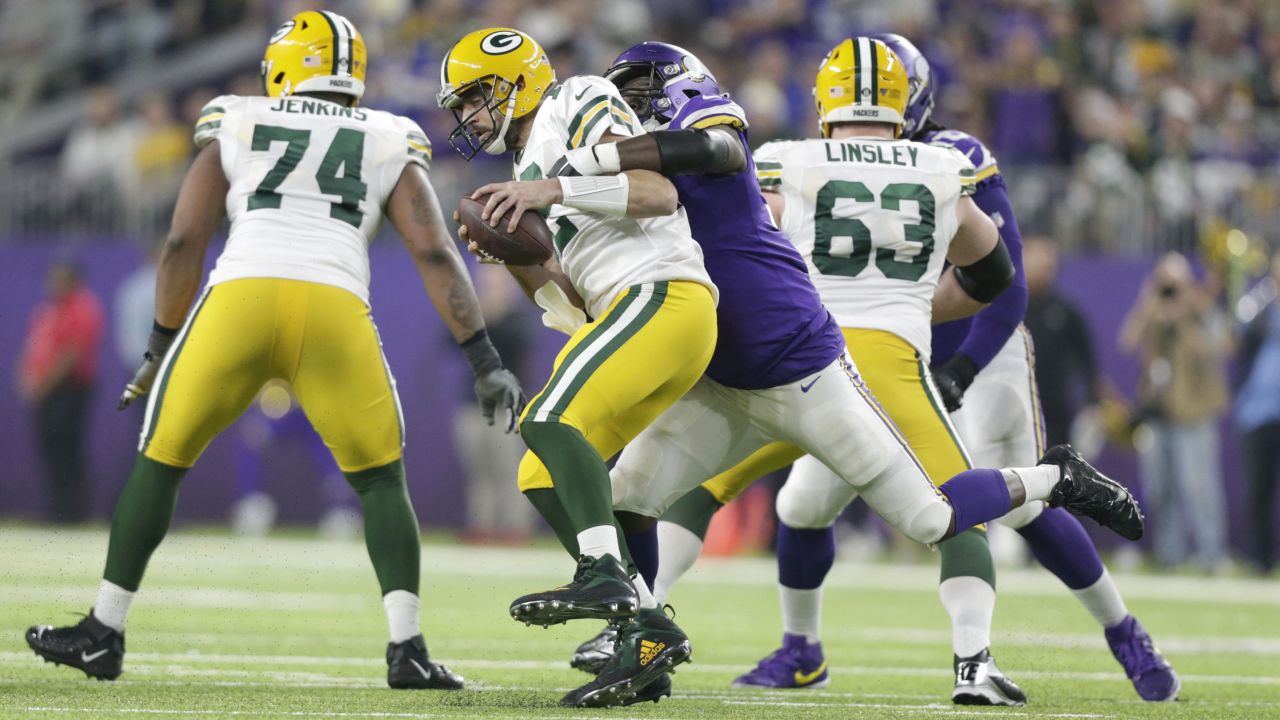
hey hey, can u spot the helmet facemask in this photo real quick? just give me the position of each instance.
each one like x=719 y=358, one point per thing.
x=463 y=139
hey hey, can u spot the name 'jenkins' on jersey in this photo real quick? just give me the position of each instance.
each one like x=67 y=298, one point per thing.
x=874 y=219
x=308 y=181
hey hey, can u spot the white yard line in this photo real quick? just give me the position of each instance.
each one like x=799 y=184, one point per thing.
x=193 y=552
x=930 y=709
x=198 y=659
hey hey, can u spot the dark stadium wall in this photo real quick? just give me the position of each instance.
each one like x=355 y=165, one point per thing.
x=432 y=378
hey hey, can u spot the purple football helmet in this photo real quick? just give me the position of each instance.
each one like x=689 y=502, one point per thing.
x=919 y=84
x=675 y=75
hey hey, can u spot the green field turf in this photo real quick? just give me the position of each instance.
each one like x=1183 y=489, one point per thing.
x=293 y=628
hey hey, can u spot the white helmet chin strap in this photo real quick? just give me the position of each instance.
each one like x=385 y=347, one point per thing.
x=499 y=144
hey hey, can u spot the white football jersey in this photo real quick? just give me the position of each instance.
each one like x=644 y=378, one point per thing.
x=874 y=219
x=603 y=255
x=309 y=179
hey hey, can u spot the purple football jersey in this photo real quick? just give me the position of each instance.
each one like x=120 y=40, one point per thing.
x=773 y=327
x=980 y=337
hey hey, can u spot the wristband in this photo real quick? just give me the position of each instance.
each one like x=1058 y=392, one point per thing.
x=481 y=353
x=605 y=195
x=159 y=341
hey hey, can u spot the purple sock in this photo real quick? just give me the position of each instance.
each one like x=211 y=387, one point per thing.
x=644 y=553
x=805 y=556
x=977 y=496
x=1062 y=546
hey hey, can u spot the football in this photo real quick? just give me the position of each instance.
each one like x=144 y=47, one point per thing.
x=530 y=244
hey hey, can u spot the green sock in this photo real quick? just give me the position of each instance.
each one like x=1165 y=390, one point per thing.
x=580 y=475
x=141 y=520
x=548 y=504
x=390 y=527
x=694 y=511
x=968 y=555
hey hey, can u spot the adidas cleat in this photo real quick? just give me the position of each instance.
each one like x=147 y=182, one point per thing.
x=1084 y=491
x=410 y=668
x=980 y=682
x=797 y=664
x=88 y=645
x=594 y=653
x=1152 y=676
x=653 y=692
x=600 y=590
x=648 y=647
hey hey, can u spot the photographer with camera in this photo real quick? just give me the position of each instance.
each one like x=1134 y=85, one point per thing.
x=1179 y=340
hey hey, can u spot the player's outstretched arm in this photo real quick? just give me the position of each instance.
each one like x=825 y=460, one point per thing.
x=712 y=151
x=200 y=207
x=981 y=268
x=634 y=194
x=415 y=213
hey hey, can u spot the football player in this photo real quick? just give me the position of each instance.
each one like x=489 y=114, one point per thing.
x=979 y=364
x=1004 y=423
x=304 y=174
x=624 y=255
x=777 y=341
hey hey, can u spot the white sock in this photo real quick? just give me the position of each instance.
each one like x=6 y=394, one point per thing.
x=112 y=606
x=599 y=541
x=970 y=602
x=678 y=550
x=402 y=614
x=642 y=589
x=1102 y=600
x=1038 y=481
x=802 y=612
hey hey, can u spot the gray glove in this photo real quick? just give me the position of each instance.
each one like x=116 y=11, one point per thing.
x=157 y=346
x=499 y=389
x=495 y=386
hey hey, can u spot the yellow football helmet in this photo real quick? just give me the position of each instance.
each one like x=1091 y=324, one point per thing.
x=315 y=51
x=509 y=67
x=860 y=80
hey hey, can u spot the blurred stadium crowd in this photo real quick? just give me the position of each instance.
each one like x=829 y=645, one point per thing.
x=1127 y=125
x=1125 y=129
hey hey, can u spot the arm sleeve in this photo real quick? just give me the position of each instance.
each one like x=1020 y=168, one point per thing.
x=594 y=107
x=706 y=111
x=993 y=325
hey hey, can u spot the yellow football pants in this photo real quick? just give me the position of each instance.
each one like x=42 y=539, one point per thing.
x=898 y=378
x=618 y=373
x=243 y=333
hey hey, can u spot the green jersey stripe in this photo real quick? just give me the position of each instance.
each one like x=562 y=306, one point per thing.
x=592 y=337
x=166 y=370
x=611 y=345
x=587 y=107
x=587 y=128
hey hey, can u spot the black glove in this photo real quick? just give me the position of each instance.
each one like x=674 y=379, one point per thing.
x=952 y=378
x=495 y=386
x=157 y=345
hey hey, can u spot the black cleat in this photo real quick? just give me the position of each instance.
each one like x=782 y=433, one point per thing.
x=1085 y=491
x=980 y=682
x=410 y=668
x=88 y=645
x=653 y=692
x=600 y=590
x=648 y=647
x=592 y=655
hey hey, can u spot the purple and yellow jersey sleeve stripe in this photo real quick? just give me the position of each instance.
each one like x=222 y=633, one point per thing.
x=707 y=111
